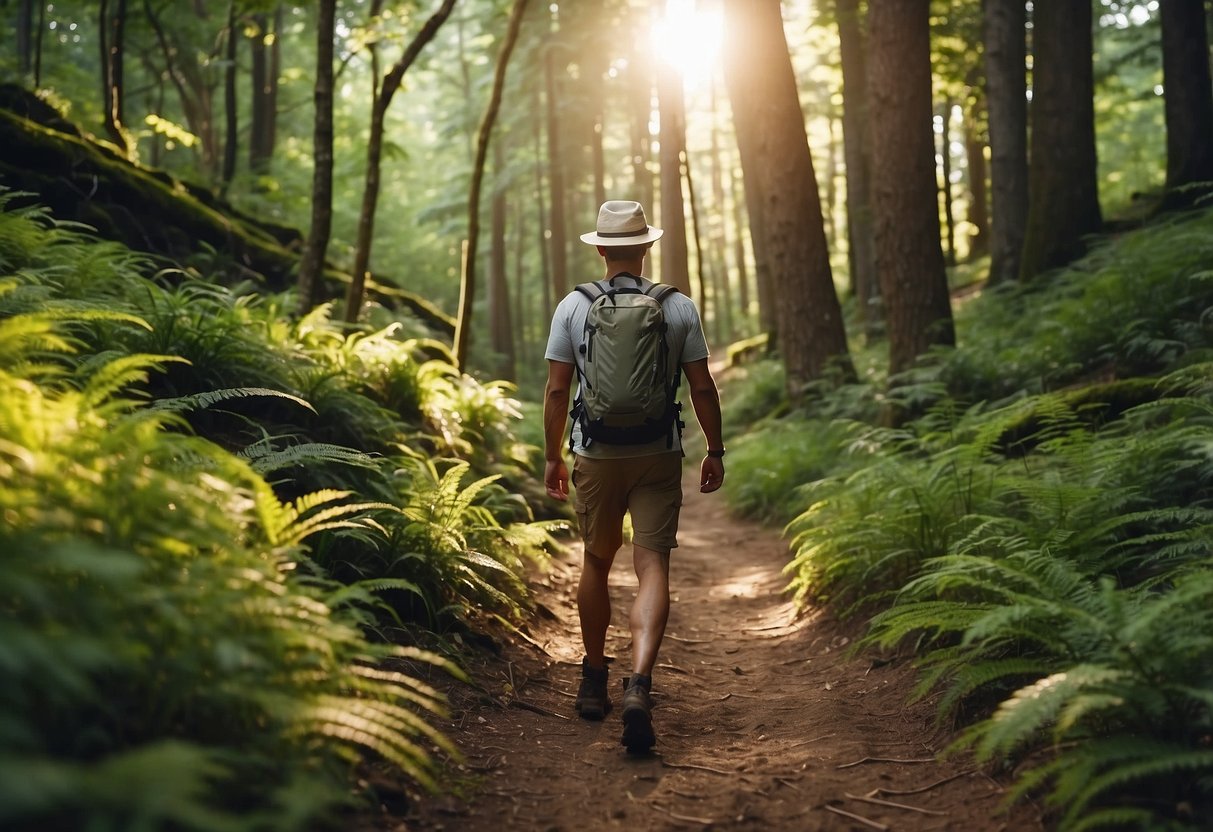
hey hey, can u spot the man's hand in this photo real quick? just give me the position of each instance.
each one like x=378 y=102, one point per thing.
x=711 y=474
x=556 y=479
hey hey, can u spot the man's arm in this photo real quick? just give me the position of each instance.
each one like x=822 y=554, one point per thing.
x=705 y=398
x=555 y=413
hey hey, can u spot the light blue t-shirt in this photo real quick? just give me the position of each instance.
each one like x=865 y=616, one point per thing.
x=685 y=337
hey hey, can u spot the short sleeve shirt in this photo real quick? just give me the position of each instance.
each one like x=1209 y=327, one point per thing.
x=687 y=344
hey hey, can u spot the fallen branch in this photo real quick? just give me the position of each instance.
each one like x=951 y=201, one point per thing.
x=858 y=818
x=700 y=768
x=922 y=789
x=527 y=706
x=887 y=760
x=890 y=803
x=684 y=818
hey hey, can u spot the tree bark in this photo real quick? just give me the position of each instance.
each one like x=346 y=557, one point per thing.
x=945 y=183
x=113 y=47
x=979 y=218
x=905 y=204
x=1188 y=102
x=675 y=269
x=311 y=265
x=557 y=242
x=260 y=103
x=501 y=329
x=231 y=137
x=857 y=158
x=1063 y=192
x=381 y=100
x=467 y=290
x=1005 y=24
x=782 y=193
x=25 y=36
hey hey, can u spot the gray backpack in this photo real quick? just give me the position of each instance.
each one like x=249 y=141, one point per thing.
x=627 y=394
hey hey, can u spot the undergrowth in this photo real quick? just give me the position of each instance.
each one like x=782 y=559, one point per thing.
x=224 y=532
x=1038 y=536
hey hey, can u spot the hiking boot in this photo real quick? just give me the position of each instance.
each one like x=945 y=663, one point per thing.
x=592 y=700
x=638 y=736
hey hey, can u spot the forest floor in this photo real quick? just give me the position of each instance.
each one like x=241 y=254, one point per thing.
x=765 y=719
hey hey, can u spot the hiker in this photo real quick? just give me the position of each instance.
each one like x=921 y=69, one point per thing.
x=620 y=466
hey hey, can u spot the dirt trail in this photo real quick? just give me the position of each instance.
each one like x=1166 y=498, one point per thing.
x=764 y=722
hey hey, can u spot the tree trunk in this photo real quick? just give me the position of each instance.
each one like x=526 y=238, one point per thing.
x=675 y=269
x=1005 y=24
x=1188 y=102
x=857 y=157
x=549 y=303
x=739 y=254
x=1063 y=192
x=311 y=264
x=979 y=237
x=719 y=244
x=775 y=157
x=501 y=329
x=467 y=289
x=25 y=36
x=260 y=151
x=558 y=245
x=382 y=99
x=112 y=41
x=706 y=309
x=945 y=184
x=905 y=202
x=231 y=138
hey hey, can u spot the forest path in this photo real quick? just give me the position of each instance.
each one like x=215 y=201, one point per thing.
x=764 y=721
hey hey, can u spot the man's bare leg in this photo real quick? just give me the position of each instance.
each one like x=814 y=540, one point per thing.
x=651 y=609
x=594 y=607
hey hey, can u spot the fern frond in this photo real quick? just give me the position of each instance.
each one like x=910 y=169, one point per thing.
x=201 y=401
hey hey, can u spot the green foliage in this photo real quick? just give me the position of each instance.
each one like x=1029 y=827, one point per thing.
x=177 y=648
x=1044 y=553
x=1138 y=305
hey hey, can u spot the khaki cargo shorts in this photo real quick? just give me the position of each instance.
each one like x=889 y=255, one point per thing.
x=649 y=487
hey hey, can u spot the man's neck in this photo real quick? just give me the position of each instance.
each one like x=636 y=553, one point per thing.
x=630 y=266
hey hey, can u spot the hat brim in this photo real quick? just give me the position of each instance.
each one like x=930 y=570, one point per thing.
x=650 y=236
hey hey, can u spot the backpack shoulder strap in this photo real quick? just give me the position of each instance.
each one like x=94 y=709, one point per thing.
x=593 y=291
x=661 y=291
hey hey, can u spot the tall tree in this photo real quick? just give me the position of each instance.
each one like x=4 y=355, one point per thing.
x=1005 y=25
x=467 y=289
x=264 y=50
x=1188 y=102
x=945 y=180
x=501 y=328
x=25 y=36
x=381 y=99
x=113 y=82
x=557 y=237
x=231 y=124
x=1063 y=190
x=905 y=206
x=311 y=264
x=975 y=154
x=781 y=191
x=675 y=268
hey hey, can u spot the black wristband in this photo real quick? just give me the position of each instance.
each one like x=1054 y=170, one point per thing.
x=717 y=454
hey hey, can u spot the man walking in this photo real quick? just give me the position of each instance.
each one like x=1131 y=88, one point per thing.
x=613 y=476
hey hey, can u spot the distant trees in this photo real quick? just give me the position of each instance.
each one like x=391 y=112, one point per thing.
x=381 y=99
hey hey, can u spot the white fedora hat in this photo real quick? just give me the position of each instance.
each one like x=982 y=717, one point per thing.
x=621 y=222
